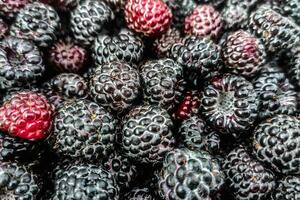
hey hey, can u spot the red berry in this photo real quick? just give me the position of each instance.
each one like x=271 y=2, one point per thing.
x=149 y=17
x=26 y=115
x=205 y=21
x=189 y=106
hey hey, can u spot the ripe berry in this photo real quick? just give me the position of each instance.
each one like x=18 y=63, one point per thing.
x=21 y=63
x=37 y=22
x=248 y=179
x=229 y=104
x=148 y=17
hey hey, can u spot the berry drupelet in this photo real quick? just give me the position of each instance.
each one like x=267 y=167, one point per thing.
x=229 y=104
x=243 y=54
x=150 y=18
x=10 y=8
x=205 y=21
x=124 y=171
x=189 y=175
x=37 y=22
x=276 y=94
x=276 y=142
x=14 y=148
x=247 y=178
x=277 y=33
x=67 y=56
x=196 y=135
x=189 y=106
x=88 y=19
x=68 y=85
x=288 y=188
x=21 y=63
x=163 y=83
x=83 y=181
x=147 y=134
x=198 y=54
x=125 y=46
x=18 y=182
x=289 y=8
x=162 y=44
x=26 y=115
x=83 y=130
x=116 y=86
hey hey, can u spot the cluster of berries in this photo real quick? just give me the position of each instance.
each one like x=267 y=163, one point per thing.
x=149 y=100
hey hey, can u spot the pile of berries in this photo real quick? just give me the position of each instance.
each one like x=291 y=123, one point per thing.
x=149 y=100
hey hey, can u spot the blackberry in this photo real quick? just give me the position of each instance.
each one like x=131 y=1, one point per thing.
x=163 y=83
x=13 y=148
x=243 y=54
x=3 y=28
x=123 y=47
x=276 y=142
x=10 y=8
x=85 y=182
x=276 y=32
x=147 y=134
x=229 y=104
x=196 y=135
x=139 y=194
x=180 y=9
x=124 y=171
x=67 y=56
x=37 y=22
x=21 y=63
x=247 y=178
x=288 y=188
x=205 y=21
x=189 y=175
x=276 y=94
x=18 y=182
x=189 y=106
x=69 y=85
x=115 y=86
x=162 y=44
x=289 y=8
x=83 y=129
x=88 y=19
x=199 y=54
